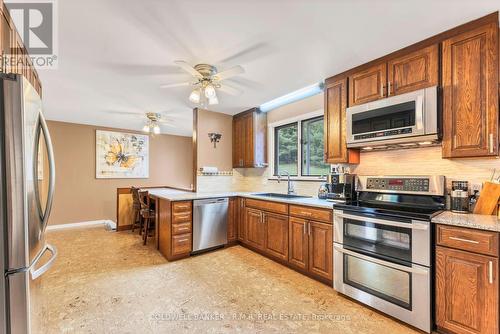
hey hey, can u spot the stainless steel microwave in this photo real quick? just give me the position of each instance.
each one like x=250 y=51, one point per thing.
x=404 y=120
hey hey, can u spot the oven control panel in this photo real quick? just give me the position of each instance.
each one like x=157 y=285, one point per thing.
x=398 y=184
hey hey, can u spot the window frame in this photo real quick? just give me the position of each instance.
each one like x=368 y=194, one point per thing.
x=275 y=156
x=272 y=145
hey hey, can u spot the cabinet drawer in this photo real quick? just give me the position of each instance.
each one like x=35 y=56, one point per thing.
x=267 y=206
x=184 y=206
x=323 y=215
x=181 y=244
x=183 y=217
x=483 y=242
x=181 y=228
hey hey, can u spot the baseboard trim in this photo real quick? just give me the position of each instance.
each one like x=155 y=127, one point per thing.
x=108 y=224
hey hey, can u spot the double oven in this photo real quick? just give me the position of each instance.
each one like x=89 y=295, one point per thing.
x=383 y=259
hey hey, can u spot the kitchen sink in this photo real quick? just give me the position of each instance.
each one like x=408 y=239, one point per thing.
x=277 y=195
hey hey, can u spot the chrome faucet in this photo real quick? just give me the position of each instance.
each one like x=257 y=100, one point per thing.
x=290 y=190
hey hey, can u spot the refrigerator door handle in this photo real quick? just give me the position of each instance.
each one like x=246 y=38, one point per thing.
x=44 y=216
x=35 y=273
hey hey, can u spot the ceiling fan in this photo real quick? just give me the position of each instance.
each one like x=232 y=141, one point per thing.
x=153 y=120
x=206 y=81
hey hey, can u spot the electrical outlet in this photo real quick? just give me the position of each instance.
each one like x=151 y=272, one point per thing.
x=476 y=186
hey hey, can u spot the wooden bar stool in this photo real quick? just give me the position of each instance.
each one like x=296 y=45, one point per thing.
x=147 y=214
x=136 y=207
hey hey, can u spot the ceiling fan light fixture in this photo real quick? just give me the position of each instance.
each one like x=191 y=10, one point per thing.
x=213 y=100
x=156 y=129
x=195 y=96
x=210 y=91
x=146 y=128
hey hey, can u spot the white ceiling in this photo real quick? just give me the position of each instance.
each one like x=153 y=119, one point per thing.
x=114 y=54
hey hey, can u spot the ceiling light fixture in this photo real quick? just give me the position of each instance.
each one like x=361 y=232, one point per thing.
x=195 y=96
x=213 y=100
x=156 y=129
x=293 y=97
x=145 y=128
x=210 y=91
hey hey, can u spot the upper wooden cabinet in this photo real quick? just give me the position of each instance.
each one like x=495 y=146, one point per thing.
x=12 y=49
x=335 y=124
x=250 y=139
x=368 y=85
x=470 y=93
x=416 y=70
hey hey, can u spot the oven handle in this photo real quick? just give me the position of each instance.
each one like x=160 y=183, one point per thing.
x=413 y=270
x=414 y=225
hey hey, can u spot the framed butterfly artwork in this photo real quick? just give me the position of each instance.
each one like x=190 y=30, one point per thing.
x=121 y=155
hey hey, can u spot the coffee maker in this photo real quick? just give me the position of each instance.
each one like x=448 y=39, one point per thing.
x=340 y=186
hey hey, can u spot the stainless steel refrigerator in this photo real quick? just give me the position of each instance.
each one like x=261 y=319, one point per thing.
x=27 y=190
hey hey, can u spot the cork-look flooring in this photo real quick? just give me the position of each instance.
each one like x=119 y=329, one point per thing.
x=108 y=282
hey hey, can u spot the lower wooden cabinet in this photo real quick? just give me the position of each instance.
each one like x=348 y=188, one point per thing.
x=467 y=296
x=276 y=240
x=311 y=247
x=466 y=291
x=321 y=249
x=232 y=219
x=298 y=250
x=174 y=228
x=256 y=229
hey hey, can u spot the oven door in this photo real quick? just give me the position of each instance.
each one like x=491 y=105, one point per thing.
x=405 y=115
x=393 y=239
x=402 y=291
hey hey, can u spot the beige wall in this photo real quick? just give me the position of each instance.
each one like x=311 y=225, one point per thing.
x=426 y=161
x=79 y=196
x=221 y=156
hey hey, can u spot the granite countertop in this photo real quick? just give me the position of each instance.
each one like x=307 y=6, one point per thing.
x=470 y=220
x=179 y=195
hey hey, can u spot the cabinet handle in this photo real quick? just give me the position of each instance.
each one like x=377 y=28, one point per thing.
x=309 y=228
x=305 y=227
x=305 y=213
x=183 y=228
x=389 y=88
x=382 y=89
x=464 y=240
x=183 y=240
x=490 y=272
x=490 y=143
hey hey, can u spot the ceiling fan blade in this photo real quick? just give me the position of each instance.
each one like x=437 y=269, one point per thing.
x=230 y=90
x=233 y=71
x=180 y=84
x=125 y=113
x=188 y=68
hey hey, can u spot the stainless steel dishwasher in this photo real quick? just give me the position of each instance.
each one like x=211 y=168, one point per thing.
x=209 y=223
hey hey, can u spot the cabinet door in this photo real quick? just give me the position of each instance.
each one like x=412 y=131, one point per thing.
x=237 y=142
x=466 y=291
x=368 y=85
x=413 y=71
x=242 y=230
x=232 y=219
x=321 y=249
x=335 y=125
x=470 y=93
x=276 y=235
x=256 y=229
x=248 y=142
x=298 y=247
x=6 y=33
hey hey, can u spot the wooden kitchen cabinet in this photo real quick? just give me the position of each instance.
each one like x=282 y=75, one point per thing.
x=250 y=139
x=368 y=85
x=335 y=124
x=276 y=238
x=413 y=71
x=242 y=229
x=466 y=292
x=470 y=93
x=174 y=223
x=232 y=219
x=298 y=250
x=320 y=249
x=256 y=229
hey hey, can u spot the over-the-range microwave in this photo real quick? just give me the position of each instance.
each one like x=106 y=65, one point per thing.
x=402 y=121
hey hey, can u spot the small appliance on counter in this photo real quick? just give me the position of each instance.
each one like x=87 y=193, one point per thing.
x=459 y=197
x=340 y=186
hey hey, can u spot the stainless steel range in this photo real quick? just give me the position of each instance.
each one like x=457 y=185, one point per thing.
x=382 y=245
